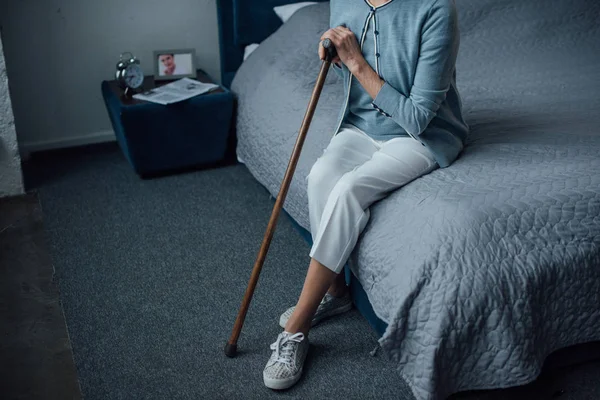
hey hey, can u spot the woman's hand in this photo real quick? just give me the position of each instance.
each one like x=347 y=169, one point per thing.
x=323 y=53
x=349 y=52
x=346 y=45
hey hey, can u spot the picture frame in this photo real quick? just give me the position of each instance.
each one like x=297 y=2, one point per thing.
x=171 y=64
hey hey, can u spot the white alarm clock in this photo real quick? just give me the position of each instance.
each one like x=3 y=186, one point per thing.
x=129 y=73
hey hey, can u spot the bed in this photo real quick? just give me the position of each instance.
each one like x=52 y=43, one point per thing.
x=474 y=274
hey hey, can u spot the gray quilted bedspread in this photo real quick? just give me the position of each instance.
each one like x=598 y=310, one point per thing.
x=484 y=268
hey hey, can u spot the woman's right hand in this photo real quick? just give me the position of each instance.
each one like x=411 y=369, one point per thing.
x=347 y=47
x=323 y=53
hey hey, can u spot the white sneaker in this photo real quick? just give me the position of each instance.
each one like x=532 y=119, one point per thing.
x=329 y=307
x=284 y=368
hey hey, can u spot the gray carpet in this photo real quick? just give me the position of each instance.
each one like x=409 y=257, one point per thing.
x=152 y=273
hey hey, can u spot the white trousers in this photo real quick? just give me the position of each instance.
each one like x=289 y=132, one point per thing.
x=354 y=172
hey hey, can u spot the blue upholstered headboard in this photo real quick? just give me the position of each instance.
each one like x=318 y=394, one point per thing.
x=243 y=22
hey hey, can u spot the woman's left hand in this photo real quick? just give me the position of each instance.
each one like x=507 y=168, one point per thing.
x=346 y=45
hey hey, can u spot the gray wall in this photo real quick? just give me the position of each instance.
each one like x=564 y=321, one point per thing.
x=11 y=181
x=59 y=51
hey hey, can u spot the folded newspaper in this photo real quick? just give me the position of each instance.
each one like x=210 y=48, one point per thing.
x=176 y=91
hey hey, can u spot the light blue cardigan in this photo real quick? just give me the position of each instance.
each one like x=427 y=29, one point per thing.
x=414 y=46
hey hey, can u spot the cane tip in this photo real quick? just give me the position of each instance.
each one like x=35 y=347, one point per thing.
x=230 y=350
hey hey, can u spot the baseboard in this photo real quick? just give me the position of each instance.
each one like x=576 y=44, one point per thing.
x=32 y=147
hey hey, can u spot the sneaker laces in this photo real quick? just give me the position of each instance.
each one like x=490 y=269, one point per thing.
x=284 y=348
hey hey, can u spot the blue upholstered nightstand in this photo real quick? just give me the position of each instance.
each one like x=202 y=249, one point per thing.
x=157 y=139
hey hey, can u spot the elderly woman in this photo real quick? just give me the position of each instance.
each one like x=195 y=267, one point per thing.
x=401 y=119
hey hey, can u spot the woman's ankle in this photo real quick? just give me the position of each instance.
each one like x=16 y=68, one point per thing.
x=292 y=327
x=338 y=287
x=338 y=291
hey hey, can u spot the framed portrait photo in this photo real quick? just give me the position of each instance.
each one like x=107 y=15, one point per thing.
x=174 y=64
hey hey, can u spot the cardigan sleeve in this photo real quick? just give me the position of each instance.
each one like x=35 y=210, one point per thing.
x=337 y=69
x=433 y=76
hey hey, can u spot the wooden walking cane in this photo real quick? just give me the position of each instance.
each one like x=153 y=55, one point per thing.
x=231 y=346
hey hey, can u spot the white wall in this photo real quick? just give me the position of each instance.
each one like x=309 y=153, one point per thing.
x=11 y=180
x=59 y=51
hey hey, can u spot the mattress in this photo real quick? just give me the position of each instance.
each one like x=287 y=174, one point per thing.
x=482 y=269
